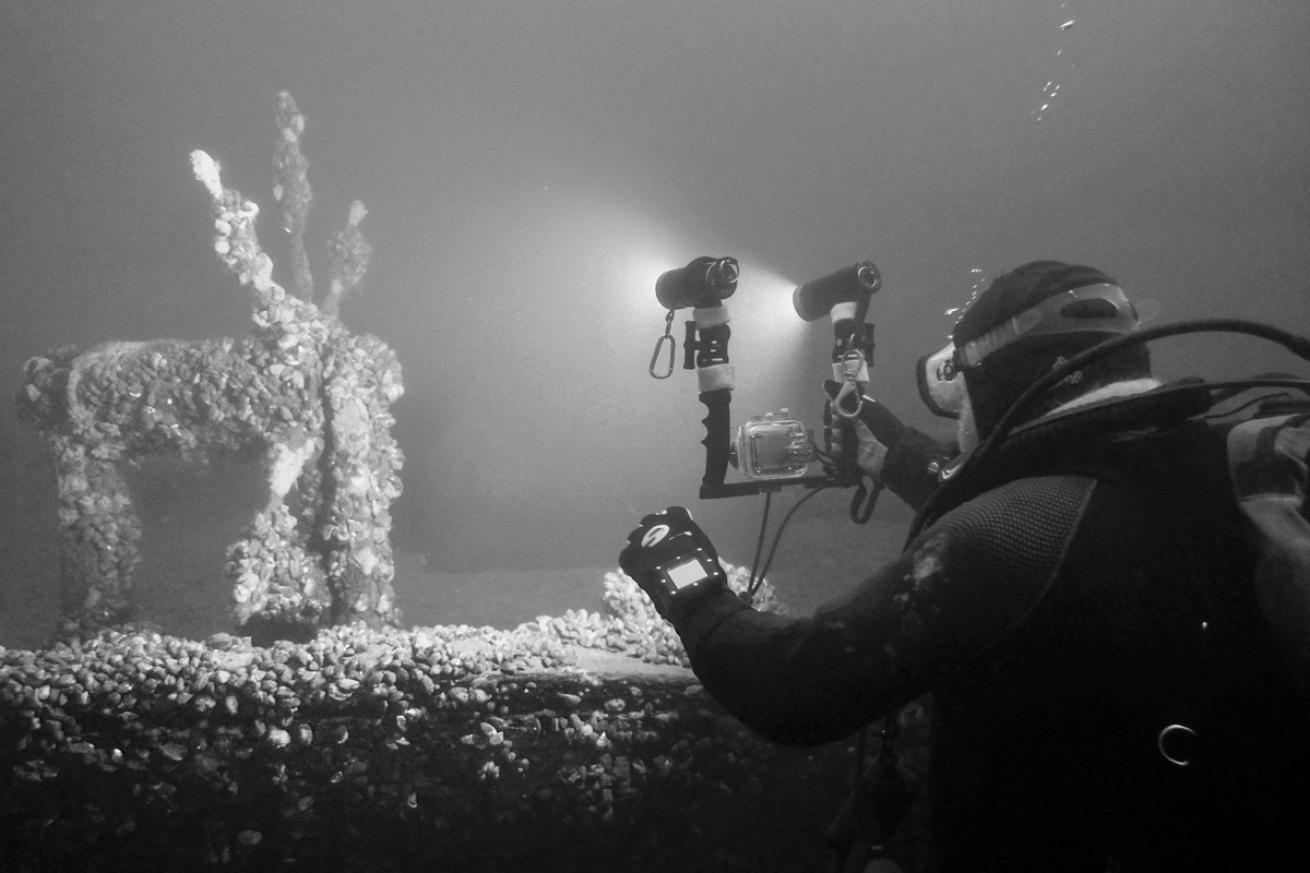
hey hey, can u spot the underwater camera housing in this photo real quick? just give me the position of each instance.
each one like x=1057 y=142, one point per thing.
x=769 y=447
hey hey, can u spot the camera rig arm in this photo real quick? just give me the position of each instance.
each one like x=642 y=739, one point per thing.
x=844 y=296
x=705 y=349
x=703 y=285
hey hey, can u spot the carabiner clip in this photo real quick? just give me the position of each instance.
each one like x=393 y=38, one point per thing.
x=852 y=365
x=843 y=393
x=659 y=344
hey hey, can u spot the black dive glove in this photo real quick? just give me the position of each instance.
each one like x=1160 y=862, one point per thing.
x=673 y=561
x=875 y=429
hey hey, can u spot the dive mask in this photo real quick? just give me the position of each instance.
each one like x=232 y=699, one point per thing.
x=941 y=382
x=1100 y=308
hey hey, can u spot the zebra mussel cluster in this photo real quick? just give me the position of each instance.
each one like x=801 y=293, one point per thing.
x=171 y=692
x=630 y=625
x=309 y=750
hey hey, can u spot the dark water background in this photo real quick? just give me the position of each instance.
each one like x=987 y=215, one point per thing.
x=531 y=168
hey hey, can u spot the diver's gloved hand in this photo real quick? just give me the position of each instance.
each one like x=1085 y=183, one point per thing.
x=874 y=429
x=673 y=561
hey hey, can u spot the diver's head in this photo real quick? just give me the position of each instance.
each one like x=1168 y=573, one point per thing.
x=1024 y=324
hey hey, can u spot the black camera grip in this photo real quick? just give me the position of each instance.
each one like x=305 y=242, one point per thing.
x=716 y=440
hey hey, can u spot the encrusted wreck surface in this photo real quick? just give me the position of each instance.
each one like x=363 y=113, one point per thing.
x=573 y=742
x=301 y=392
x=452 y=748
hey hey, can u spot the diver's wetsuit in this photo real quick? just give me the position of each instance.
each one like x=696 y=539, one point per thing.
x=1061 y=622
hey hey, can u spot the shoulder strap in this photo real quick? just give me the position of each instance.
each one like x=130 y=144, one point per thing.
x=1075 y=441
x=1268 y=462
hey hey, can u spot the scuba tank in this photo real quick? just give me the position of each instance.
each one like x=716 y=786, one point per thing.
x=1268 y=450
x=1267 y=441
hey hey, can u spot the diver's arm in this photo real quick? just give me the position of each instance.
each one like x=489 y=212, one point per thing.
x=903 y=458
x=957 y=590
x=912 y=464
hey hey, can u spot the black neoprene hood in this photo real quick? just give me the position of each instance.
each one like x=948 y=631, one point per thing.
x=1020 y=289
x=1010 y=336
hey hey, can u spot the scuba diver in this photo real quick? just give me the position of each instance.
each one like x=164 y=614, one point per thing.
x=1106 y=692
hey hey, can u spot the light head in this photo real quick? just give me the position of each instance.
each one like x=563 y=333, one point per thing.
x=702 y=283
x=849 y=285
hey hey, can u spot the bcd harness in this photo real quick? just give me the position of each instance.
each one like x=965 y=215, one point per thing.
x=1265 y=424
x=1265 y=421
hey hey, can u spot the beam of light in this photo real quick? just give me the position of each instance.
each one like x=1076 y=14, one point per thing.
x=644 y=265
x=771 y=344
x=763 y=307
